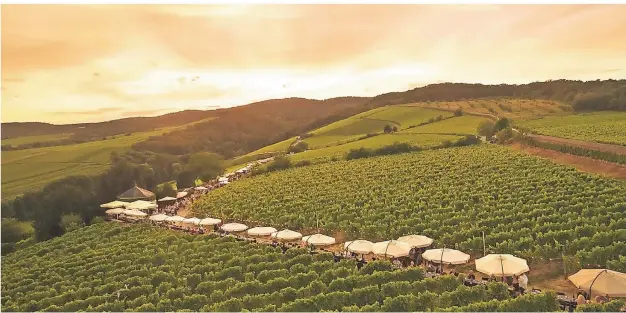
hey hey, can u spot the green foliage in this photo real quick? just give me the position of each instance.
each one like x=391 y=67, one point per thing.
x=279 y=163
x=205 y=165
x=580 y=151
x=486 y=128
x=70 y=222
x=299 y=147
x=186 y=179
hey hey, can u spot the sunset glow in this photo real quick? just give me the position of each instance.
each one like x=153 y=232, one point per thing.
x=65 y=64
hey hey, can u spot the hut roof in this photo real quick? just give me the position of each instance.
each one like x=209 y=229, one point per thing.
x=136 y=193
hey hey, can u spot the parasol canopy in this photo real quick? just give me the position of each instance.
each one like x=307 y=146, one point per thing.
x=158 y=217
x=319 y=240
x=193 y=220
x=261 y=231
x=446 y=256
x=210 y=221
x=359 y=246
x=601 y=281
x=287 y=234
x=165 y=199
x=234 y=227
x=181 y=194
x=501 y=265
x=201 y=188
x=115 y=211
x=141 y=205
x=391 y=248
x=136 y=213
x=175 y=219
x=136 y=193
x=417 y=241
x=114 y=204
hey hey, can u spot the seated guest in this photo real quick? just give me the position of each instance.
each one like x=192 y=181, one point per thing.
x=515 y=283
x=471 y=275
x=580 y=299
x=431 y=268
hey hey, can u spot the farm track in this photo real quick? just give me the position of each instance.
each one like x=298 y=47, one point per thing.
x=580 y=143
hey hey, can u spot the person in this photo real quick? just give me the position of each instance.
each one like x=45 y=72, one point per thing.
x=599 y=299
x=439 y=269
x=492 y=278
x=581 y=292
x=515 y=283
x=523 y=283
x=471 y=275
x=580 y=299
x=431 y=268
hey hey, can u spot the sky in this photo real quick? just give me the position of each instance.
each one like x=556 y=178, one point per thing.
x=87 y=63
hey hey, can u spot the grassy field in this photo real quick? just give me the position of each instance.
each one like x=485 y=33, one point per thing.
x=604 y=127
x=31 y=169
x=32 y=139
x=502 y=107
x=466 y=124
x=339 y=151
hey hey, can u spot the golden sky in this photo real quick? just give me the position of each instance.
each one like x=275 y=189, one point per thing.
x=83 y=63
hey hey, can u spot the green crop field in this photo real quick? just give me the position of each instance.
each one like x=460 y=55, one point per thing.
x=32 y=139
x=407 y=116
x=31 y=169
x=604 y=127
x=339 y=151
x=525 y=205
x=502 y=107
x=116 y=268
x=466 y=124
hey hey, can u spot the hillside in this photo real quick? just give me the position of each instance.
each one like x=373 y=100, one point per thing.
x=95 y=269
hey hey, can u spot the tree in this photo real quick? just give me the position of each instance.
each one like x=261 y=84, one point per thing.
x=486 y=128
x=145 y=176
x=388 y=129
x=501 y=124
x=280 y=163
x=176 y=169
x=206 y=165
x=299 y=147
x=186 y=179
x=166 y=190
x=458 y=112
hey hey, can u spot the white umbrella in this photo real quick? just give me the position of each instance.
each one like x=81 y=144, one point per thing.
x=234 y=227
x=417 y=241
x=261 y=231
x=181 y=195
x=319 y=240
x=446 y=256
x=167 y=199
x=158 y=217
x=601 y=281
x=141 y=205
x=287 y=234
x=193 y=220
x=134 y=213
x=392 y=248
x=114 y=204
x=175 y=219
x=115 y=211
x=501 y=265
x=200 y=188
x=359 y=246
x=210 y=221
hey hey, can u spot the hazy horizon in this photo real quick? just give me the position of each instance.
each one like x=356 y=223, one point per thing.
x=67 y=64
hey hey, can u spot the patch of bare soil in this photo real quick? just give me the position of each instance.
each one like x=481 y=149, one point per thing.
x=584 y=144
x=581 y=163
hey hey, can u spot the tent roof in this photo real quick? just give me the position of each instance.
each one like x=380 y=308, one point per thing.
x=136 y=193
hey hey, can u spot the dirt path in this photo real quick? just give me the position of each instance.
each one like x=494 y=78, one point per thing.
x=581 y=163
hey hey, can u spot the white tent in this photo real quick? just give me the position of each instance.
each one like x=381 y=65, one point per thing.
x=193 y=220
x=359 y=246
x=115 y=211
x=501 y=265
x=158 y=217
x=141 y=205
x=210 y=221
x=167 y=199
x=446 y=256
x=417 y=241
x=175 y=219
x=261 y=231
x=234 y=227
x=391 y=248
x=181 y=194
x=201 y=188
x=319 y=240
x=222 y=179
x=114 y=204
x=287 y=234
x=136 y=213
x=601 y=282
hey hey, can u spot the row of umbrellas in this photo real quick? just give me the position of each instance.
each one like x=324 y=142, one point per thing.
x=136 y=205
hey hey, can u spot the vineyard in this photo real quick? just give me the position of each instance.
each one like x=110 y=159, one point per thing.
x=466 y=124
x=115 y=268
x=502 y=107
x=604 y=127
x=524 y=205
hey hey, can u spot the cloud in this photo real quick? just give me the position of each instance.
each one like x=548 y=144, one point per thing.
x=99 y=111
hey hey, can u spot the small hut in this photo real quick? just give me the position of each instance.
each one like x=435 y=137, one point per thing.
x=137 y=193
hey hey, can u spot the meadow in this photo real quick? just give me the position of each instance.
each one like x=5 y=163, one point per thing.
x=31 y=169
x=464 y=125
x=603 y=127
x=502 y=107
x=96 y=269
x=525 y=205
x=32 y=139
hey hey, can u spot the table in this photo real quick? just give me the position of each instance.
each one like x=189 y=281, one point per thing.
x=567 y=302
